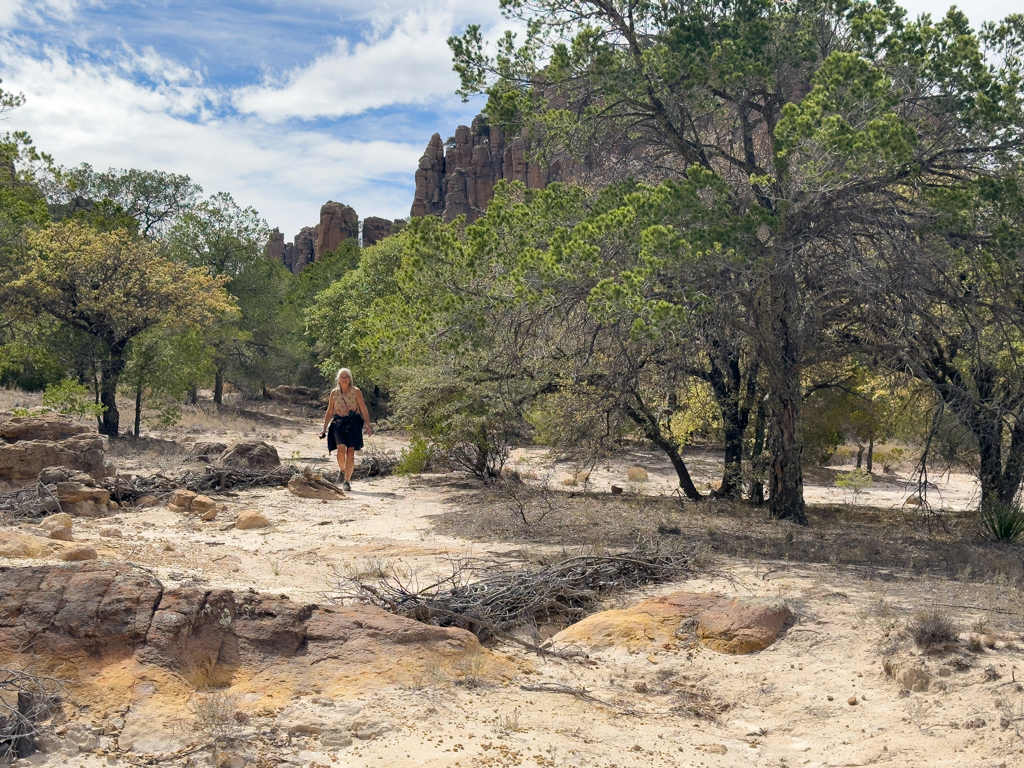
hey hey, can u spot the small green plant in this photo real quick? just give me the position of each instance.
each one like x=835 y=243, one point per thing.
x=933 y=627
x=296 y=454
x=71 y=398
x=889 y=459
x=415 y=458
x=855 y=481
x=1002 y=522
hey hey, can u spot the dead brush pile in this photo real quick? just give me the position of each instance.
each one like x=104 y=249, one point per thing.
x=490 y=600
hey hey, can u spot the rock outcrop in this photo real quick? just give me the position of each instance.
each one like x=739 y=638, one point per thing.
x=726 y=625
x=375 y=229
x=132 y=646
x=30 y=444
x=254 y=455
x=458 y=178
x=338 y=223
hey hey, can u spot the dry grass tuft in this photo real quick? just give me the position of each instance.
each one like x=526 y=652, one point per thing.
x=933 y=628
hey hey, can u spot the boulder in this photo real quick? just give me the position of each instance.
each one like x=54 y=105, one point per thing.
x=14 y=544
x=111 y=533
x=202 y=504
x=743 y=625
x=636 y=474
x=61 y=533
x=147 y=501
x=81 y=500
x=46 y=426
x=206 y=450
x=22 y=461
x=59 y=520
x=254 y=455
x=310 y=485
x=181 y=498
x=76 y=554
x=726 y=625
x=250 y=518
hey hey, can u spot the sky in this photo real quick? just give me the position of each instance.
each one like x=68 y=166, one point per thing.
x=283 y=103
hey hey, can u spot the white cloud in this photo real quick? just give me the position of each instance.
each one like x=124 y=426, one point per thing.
x=97 y=114
x=12 y=11
x=408 y=63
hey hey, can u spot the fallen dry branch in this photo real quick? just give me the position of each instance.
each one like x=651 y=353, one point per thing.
x=585 y=695
x=490 y=600
x=27 y=699
x=375 y=463
x=32 y=501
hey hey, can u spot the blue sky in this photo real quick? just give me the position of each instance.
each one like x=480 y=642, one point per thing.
x=283 y=103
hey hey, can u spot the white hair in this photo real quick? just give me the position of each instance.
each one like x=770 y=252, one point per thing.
x=341 y=371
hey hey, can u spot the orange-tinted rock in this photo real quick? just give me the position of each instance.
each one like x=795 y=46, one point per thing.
x=375 y=229
x=743 y=625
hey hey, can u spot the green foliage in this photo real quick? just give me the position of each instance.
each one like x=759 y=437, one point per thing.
x=416 y=458
x=1002 y=522
x=855 y=481
x=162 y=368
x=72 y=399
x=29 y=367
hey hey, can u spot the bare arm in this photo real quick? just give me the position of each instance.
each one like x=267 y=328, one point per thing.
x=330 y=412
x=366 y=413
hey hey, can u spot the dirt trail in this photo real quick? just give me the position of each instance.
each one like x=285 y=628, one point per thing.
x=818 y=697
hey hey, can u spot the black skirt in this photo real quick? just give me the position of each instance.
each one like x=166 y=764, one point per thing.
x=346 y=431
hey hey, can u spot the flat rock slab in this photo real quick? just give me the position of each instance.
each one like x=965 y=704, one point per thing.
x=45 y=426
x=724 y=624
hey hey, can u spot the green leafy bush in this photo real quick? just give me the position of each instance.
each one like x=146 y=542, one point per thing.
x=416 y=458
x=855 y=481
x=1002 y=522
x=28 y=367
x=71 y=398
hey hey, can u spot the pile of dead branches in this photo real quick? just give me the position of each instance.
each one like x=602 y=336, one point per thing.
x=131 y=488
x=27 y=699
x=375 y=463
x=490 y=602
x=32 y=501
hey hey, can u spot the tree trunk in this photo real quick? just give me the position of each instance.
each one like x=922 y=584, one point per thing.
x=860 y=456
x=644 y=419
x=726 y=382
x=110 y=370
x=785 y=394
x=871 y=453
x=218 y=386
x=756 y=491
x=138 y=409
x=193 y=396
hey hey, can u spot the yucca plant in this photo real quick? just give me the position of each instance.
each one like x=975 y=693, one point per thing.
x=1002 y=522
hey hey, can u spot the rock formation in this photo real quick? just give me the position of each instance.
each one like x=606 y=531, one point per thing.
x=739 y=625
x=337 y=223
x=459 y=180
x=29 y=444
x=375 y=229
x=130 y=646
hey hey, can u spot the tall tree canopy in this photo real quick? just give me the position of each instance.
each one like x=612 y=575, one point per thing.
x=114 y=286
x=813 y=127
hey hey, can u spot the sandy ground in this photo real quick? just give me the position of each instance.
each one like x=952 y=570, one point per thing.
x=818 y=697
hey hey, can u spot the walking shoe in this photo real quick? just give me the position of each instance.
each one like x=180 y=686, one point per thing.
x=347 y=485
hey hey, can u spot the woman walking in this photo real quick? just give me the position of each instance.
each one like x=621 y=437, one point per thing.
x=343 y=424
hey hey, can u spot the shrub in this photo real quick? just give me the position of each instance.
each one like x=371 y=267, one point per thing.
x=71 y=398
x=27 y=367
x=933 y=627
x=416 y=458
x=855 y=481
x=1002 y=522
